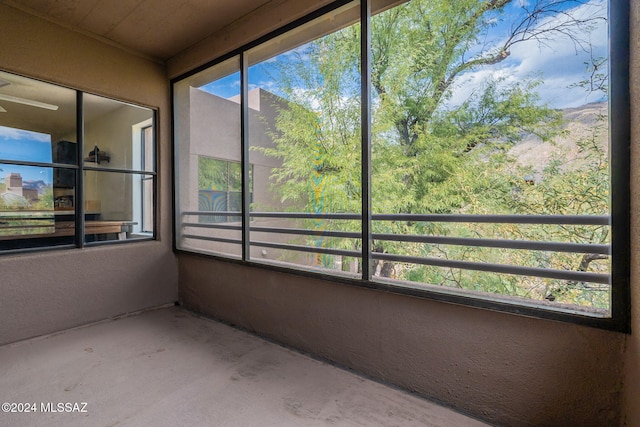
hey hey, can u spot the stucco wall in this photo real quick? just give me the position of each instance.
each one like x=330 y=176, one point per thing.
x=507 y=369
x=261 y=21
x=47 y=292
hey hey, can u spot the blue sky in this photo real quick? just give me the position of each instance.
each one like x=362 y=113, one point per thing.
x=16 y=144
x=557 y=61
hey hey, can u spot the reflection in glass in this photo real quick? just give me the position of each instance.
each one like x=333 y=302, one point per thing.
x=111 y=210
x=219 y=189
x=207 y=125
x=114 y=134
x=39 y=200
x=38 y=124
x=29 y=214
x=34 y=117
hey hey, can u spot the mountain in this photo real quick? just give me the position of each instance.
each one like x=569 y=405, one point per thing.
x=39 y=185
x=579 y=124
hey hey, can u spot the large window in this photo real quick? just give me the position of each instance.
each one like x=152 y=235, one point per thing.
x=64 y=183
x=473 y=152
x=209 y=192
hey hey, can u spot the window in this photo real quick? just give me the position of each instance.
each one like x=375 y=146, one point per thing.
x=219 y=189
x=209 y=211
x=64 y=187
x=143 y=190
x=484 y=161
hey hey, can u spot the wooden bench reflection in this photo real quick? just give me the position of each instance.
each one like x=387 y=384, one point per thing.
x=67 y=228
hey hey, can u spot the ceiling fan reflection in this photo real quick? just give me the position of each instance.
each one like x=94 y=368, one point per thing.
x=23 y=101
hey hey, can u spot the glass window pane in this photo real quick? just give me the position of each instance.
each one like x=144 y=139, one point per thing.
x=215 y=201
x=148 y=150
x=110 y=206
x=148 y=207
x=304 y=135
x=27 y=215
x=113 y=133
x=34 y=117
x=207 y=129
x=213 y=174
x=235 y=176
x=488 y=109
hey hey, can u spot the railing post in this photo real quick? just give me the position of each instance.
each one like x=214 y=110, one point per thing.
x=244 y=155
x=365 y=73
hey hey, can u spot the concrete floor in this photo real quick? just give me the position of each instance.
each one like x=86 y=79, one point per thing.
x=169 y=367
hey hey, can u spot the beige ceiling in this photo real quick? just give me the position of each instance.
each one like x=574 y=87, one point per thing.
x=159 y=29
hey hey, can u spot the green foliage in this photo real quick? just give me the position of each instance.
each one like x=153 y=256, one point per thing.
x=429 y=156
x=45 y=200
x=212 y=174
x=21 y=217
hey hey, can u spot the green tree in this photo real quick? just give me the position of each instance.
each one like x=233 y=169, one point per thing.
x=429 y=156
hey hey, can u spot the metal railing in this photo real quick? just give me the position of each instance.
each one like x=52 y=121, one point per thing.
x=17 y=223
x=508 y=244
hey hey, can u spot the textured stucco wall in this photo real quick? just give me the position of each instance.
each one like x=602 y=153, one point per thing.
x=507 y=369
x=47 y=292
x=631 y=401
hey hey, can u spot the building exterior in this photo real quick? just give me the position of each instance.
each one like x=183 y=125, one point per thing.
x=14 y=184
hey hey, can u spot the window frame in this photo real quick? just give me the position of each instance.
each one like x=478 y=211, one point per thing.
x=619 y=146
x=140 y=148
x=79 y=167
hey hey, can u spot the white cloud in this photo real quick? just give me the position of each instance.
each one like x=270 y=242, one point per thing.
x=8 y=133
x=558 y=61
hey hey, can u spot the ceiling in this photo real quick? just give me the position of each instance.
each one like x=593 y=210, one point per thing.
x=159 y=29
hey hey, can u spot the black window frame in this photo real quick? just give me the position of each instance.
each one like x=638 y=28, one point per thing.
x=79 y=167
x=619 y=126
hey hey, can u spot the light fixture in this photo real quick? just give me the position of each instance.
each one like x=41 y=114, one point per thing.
x=30 y=102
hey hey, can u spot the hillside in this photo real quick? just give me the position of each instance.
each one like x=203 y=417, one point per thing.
x=580 y=123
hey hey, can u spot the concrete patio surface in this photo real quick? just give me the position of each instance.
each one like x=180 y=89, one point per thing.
x=170 y=367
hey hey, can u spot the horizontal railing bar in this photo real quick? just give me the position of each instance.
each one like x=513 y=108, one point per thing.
x=213 y=213
x=284 y=246
x=490 y=219
x=477 y=242
x=579 y=276
x=305 y=215
x=27 y=214
x=459 y=241
x=499 y=219
x=212 y=239
x=438 y=262
x=218 y=226
x=497 y=243
x=121 y=170
x=38 y=164
x=304 y=232
x=39 y=220
x=13 y=227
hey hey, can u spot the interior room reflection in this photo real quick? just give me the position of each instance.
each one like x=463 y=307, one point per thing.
x=38 y=203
